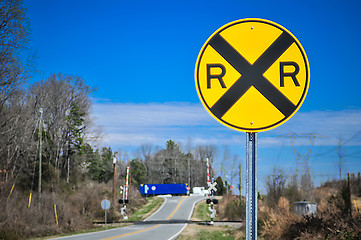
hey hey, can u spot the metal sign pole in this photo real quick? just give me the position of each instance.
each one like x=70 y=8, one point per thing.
x=105 y=213
x=105 y=205
x=251 y=202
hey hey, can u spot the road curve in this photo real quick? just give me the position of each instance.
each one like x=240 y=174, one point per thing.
x=166 y=223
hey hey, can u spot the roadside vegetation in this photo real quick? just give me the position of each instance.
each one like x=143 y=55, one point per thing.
x=338 y=216
x=76 y=213
x=147 y=210
x=204 y=231
x=201 y=212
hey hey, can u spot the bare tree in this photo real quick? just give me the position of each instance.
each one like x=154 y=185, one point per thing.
x=146 y=150
x=275 y=186
x=17 y=136
x=234 y=170
x=225 y=160
x=207 y=151
x=14 y=117
x=144 y=153
x=66 y=104
x=14 y=32
x=202 y=153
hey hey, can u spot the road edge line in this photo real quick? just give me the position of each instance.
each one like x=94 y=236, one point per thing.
x=165 y=200
x=190 y=215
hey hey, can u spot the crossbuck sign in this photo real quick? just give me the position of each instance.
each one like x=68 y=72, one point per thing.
x=212 y=186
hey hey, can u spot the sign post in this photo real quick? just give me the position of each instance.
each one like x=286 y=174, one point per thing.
x=251 y=194
x=105 y=205
x=212 y=189
x=252 y=75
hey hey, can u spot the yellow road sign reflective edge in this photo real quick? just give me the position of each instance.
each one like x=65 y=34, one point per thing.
x=252 y=75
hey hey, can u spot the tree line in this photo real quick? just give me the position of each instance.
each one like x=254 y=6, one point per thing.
x=46 y=128
x=51 y=121
x=47 y=120
x=172 y=165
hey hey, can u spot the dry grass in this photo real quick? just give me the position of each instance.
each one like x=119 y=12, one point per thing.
x=217 y=231
x=76 y=210
x=273 y=222
x=330 y=222
x=192 y=231
x=230 y=208
x=281 y=223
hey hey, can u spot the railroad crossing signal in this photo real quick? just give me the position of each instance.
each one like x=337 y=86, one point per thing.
x=123 y=201
x=252 y=75
x=214 y=201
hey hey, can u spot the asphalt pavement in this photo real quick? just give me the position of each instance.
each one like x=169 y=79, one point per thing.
x=165 y=224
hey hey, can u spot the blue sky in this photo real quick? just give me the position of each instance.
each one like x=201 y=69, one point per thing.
x=141 y=57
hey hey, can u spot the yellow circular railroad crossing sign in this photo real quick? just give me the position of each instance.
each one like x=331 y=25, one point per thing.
x=252 y=75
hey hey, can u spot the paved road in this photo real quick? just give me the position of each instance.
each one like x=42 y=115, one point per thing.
x=167 y=223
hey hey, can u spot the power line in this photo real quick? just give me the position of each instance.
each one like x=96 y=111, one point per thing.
x=337 y=147
x=303 y=168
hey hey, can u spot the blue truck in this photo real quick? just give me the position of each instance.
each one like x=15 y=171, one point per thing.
x=162 y=189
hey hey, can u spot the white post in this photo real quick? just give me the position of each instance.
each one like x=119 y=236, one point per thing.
x=126 y=183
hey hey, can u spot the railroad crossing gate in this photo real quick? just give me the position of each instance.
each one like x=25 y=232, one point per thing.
x=252 y=75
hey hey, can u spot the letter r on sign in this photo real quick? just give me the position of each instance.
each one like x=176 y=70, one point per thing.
x=217 y=76
x=293 y=74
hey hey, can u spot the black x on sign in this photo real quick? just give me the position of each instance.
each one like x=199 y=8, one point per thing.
x=252 y=75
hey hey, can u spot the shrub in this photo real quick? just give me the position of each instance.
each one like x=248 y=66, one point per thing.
x=231 y=208
x=76 y=208
x=331 y=222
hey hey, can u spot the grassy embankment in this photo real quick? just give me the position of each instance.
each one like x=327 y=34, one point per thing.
x=207 y=232
x=142 y=213
x=148 y=209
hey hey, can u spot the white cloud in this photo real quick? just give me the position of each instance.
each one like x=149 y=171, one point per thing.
x=329 y=126
x=151 y=114
x=134 y=124
x=129 y=124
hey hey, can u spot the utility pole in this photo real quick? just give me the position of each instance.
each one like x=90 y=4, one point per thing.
x=240 y=181
x=340 y=155
x=349 y=195
x=114 y=162
x=40 y=151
